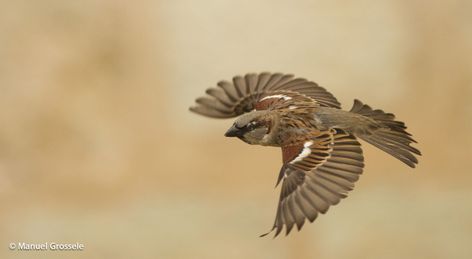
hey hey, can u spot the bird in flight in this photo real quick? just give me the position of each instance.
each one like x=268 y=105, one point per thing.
x=321 y=155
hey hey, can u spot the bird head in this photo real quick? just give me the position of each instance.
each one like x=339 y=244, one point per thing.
x=251 y=127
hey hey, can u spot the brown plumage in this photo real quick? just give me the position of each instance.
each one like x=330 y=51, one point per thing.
x=322 y=158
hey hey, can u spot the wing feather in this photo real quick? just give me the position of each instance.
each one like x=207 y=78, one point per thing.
x=231 y=99
x=306 y=193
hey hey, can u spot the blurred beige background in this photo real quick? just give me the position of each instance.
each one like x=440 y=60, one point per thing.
x=97 y=145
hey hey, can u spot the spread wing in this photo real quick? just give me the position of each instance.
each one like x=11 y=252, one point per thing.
x=253 y=91
x=316 y=175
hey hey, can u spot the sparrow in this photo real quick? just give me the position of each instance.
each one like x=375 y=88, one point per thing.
x=321 y=155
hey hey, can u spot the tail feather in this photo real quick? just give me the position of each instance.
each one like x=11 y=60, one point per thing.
x=388 y=134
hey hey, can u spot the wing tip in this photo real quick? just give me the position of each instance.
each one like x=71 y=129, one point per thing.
x=270 y=231
x=193 y=109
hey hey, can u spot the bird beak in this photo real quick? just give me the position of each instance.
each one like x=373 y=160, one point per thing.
x=233 y=132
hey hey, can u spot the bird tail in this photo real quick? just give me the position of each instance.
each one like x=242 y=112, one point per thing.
x=386 y=133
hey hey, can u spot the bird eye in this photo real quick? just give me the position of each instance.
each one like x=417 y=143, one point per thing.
x=252 y=125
